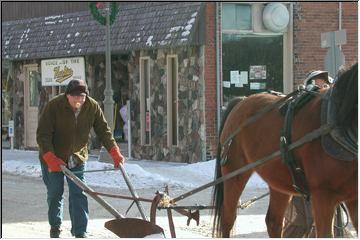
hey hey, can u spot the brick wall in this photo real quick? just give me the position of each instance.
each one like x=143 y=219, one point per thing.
x=310 y=20
x=350 y=24
x=210 y=79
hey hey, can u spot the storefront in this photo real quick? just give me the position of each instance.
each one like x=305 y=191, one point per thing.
x=179 y=64
x=256 y=48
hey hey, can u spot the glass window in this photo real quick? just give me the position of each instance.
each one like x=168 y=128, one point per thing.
x=251 y=64
x=172 y=101
x=236 y=16
x=5 y=93
x=145 y=121
x=34 y=80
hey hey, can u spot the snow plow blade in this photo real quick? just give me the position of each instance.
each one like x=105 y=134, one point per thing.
x=133 y=228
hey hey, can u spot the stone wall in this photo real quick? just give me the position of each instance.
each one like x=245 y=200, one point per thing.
x=16 y=89
x=191 y=120
x=95 y=76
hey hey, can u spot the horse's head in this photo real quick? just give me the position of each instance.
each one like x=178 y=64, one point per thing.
x=346 y=97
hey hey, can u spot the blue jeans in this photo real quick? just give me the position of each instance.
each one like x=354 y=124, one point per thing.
x=78 y=203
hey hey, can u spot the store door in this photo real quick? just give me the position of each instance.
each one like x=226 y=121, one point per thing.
x=31 y=103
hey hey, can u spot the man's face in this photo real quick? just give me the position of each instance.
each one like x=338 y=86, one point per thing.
x=76 y=101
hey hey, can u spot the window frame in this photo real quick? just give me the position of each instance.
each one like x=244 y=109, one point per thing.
x=170 y=97
x=143 y=140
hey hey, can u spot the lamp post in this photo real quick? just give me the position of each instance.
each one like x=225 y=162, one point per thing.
x=108 y=92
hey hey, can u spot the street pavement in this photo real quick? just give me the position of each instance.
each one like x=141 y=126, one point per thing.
x=24 y=210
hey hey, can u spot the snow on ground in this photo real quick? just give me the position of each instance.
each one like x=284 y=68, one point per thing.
x=143 y=173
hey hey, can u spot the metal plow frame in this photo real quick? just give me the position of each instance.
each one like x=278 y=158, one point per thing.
x=121 y=226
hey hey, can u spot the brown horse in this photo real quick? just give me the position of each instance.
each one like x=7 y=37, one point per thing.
x=330 y=181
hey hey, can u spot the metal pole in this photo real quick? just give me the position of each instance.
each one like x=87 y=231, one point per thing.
x=128 y=118
x=340 y=18
x=108 y=92
x=218 y=78
x=339 y=230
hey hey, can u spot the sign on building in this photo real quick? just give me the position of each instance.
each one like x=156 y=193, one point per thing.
x=59 y=71
x=11 y=128
x=334 y=58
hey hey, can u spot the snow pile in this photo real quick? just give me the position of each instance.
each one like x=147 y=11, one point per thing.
x=143 y=173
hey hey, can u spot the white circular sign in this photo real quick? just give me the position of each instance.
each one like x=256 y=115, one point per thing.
x=276 y=17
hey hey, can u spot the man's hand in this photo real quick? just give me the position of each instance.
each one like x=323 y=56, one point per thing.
x=116 y=156
x=53 y=162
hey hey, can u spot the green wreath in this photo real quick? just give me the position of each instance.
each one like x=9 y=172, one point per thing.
x=99 y=17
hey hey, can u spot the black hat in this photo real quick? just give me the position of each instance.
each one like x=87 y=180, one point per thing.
x=77 y=87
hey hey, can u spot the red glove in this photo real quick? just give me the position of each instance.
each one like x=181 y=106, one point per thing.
x=53 y=162
x=116 y=156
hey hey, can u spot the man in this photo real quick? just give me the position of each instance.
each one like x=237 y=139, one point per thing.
x=62 y=136
x=123 y=111
x=319 y=78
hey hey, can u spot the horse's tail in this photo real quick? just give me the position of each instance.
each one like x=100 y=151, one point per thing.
x=218 y=190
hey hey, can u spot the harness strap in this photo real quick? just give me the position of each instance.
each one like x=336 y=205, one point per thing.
x=296 y=172
x=324 y=129
x=226 y=145
x=259 y=114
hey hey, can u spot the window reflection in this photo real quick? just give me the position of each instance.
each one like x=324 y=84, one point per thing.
x=34 y=78
x=238 y=16
x=260 y=57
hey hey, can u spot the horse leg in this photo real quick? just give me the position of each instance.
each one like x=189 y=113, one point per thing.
x=232 y=191
x=323 y=209
x=275 y=214
x=352 y=207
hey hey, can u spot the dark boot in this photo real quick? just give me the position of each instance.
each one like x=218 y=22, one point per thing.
x=83 y=235
x=55 y=232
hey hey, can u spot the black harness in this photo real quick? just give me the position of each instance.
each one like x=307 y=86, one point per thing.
x=289 y=110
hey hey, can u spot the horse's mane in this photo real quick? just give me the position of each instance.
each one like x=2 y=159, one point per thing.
x=228 y=109
x=345 y=95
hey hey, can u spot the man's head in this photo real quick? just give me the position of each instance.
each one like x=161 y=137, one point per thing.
x=77 y=87
x=319 y=78
x=76 y=92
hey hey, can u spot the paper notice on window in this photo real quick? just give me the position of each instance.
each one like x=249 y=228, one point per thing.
x=234 y=77
x=257 y=86
x=148 y=104
x=254 y=86
x=258 y=72
x=239 y=85
x=226 y=84
x=244 y=77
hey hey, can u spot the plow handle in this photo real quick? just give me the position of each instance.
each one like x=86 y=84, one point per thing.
x=133 y=192
x=88 y=190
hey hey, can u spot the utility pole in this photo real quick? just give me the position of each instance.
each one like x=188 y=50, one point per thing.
x=334 y=58
x=108 y=92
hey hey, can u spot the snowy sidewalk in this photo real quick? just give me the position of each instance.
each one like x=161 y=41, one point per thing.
x=143 y=173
